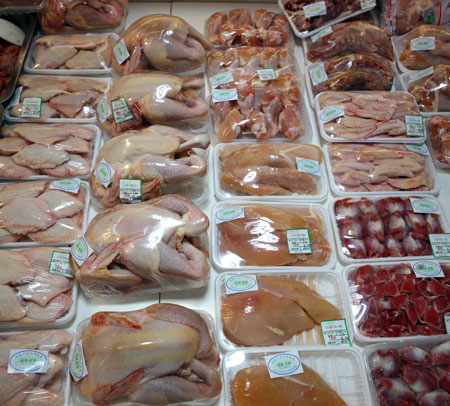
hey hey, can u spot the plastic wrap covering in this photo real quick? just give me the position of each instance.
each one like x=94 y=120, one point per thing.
x=162 y=42
x=438 y=128
x=20 y=6
x=38 y=350
x=155 y=98
x=163 y=354
x=152 y=246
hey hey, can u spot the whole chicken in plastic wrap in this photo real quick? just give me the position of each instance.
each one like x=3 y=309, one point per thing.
x=156 y=98
x=162 y=42
x=163 y=354
x=82 y=15
x=142 y=245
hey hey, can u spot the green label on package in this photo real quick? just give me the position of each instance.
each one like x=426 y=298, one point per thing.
x=266 y=74
x=315 y=9
x=414 y=125
x=103 y=110
x=130 y=190
x=298 y=241
x=81 y=250
x=31 y=107
x=440 y=244
x=428 y=269
x=285 y=364
x=318 y=74
x=66 y=185
x=121 y=52
x=27 y=362
x=420 y=149
x=335 y=332
x=59 y=264
x=240 y=283
x=321 y=34
x=423 y=44
x=447 y=322
x=221 y=78
x=78 y=368
x=121 y=111
x=222 y=95
x=420 y=205
x=229 y=213
x=365 y=4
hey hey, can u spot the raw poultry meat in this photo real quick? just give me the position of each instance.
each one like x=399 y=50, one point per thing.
x=334 y=9
x=356 y=72
x=439 y=137
x=33 y=211
x=410 y=375
x=162 y=42
x=56 y=150
x=366 y=115
x=163 y=354
x=263 y=114
x=243 y=63
x=76 y=51
x=239 y=27
x=259 y=238
x=35 y=295
x=415 y=59
x=432 y=92
x=378 y=168
x=386 y=227
x=351 y=37
x=8 y=57
x=82 y=15
x=390 y=301
x=253 y=386
x=281 y=308
x=30 y=389
x=158 y=155
x=267 y=169
x=142 y=245
x=156 y=98
x=61 y=97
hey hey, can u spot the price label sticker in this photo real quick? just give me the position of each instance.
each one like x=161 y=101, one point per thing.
x=428 y=269
x=229 y=213
x=15 y=99
x=420 y=205
x=447 y=322
x=321 y=34
x=421 y=74
x=308 y=165
x=121 y=52
x=103 y=110
x=330 y=113
x=414 y=125
x=27 y=362
x=221 y=78
x=130 y=190
x=396 y=86
x=104 y=173
x=284 y=364
x=121 y=111
x=31 y=107
x=266 y=74
x=419 y=149
x=365 y=4
x=240 y=283
x=298 y=241
x=81 y=250
x=318 y=74
x=59 y=264
x=423 y=44
x=335 y=332
x=440 y=244
x=315 y=9
x=222 y=95
x=66 y=185
x=78 y=368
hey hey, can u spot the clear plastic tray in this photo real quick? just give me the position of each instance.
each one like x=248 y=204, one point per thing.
x=233 y=263
x=224 y=192
x=29 y=244
x=95 y=149
x=439 y=164
x=306 y=33
x=352 y=301
x=429 y=169
x=29 y=61
x=341 y=369
x=326 y=284
x=380 y=139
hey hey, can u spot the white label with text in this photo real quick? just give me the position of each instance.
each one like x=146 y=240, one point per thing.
x=229 y=213
x=330 y=113
x=266 y=74
x=440 y=244
x=318 y=74
x=420 y=149
x=81 y=250
x=335 y=332
x=121 y=111
x=423 y=44
x=103 y=110
x=420 y=205
x=321 y=34
x=414 y=125
x=315 y=9
x=31 y=107
x=308 y=165
x=221 y=78
x=78 y=368
x=240 y=283
x=130 y=190
x=121 y=52
x=22 y=361
x=59 y=264
x=284 y=364
x=66 y=185
x=222 y=95
x=104 y=173
x=299 y=241
x=428 y=269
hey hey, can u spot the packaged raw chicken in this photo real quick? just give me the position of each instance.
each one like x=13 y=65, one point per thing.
x=20 y=6
x=34 y=368
x=438 y=128
x=348 y=38
x=163 y=354
x=154 y=246
x=43 y=151
x=386 y=227
x=247 y=27
x=253 y=235
x=276 y=308
x=410 y=374
x=162 y=42
x=252 y=66
x=263 y=171
x=36 y=288
x=43 y=212
x=391 y=300
x=375 y=169
x=298 y=375
x=56 y=99
x=71 y=54
x=264 y=114
x=83 y=15
x=430 y=87
x=157 y=159
x=153 y=98
x=308 y=17
x=369 y=116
